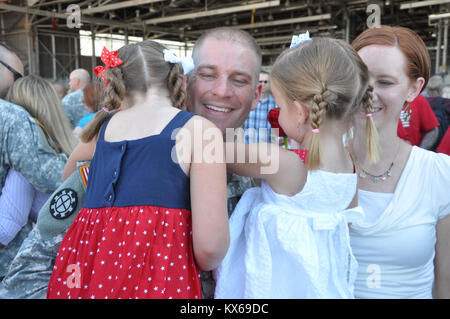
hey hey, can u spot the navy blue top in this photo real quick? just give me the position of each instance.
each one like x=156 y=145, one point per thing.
x=138 y=172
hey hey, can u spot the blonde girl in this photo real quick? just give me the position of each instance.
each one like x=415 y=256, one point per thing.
x=289 y=238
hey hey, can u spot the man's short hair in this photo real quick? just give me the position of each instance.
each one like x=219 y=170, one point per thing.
x=230 y=34
x=82 y=75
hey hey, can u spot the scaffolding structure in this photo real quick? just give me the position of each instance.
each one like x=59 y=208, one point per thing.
x=49 y=47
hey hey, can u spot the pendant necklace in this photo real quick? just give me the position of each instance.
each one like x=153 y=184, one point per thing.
x=381 y=177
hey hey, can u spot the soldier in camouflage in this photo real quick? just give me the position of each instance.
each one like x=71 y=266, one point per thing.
x=30 y=272
x=23 y=147
x=73 y=102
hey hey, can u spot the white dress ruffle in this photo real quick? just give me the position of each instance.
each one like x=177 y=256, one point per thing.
x=292 y=247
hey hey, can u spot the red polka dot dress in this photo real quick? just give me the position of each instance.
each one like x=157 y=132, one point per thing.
x=133 y=236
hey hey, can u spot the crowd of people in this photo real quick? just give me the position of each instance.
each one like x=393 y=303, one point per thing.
x=109 y=191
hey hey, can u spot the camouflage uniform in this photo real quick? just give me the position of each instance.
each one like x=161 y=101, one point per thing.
x=236 y=186
x=25 y=148
x=30 y=271
x=74 y=106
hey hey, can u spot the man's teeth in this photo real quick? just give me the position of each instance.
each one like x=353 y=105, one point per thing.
x=219 y=109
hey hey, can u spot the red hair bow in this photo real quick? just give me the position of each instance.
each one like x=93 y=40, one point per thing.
x=111 y=61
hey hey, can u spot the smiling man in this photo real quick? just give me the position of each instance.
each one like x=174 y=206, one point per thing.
x=224 y=89
x=224 y=85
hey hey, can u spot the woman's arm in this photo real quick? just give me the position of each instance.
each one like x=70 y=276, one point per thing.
x=83 y=152
x=283 y=170
x=442 y=260
x=209 y=199
x=15 y=206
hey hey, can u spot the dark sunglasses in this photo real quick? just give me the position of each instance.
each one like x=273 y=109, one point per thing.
x=14 y=72
x=263 y=81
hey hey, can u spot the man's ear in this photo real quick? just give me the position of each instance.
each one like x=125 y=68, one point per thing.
x=256 y=97
x=302 y=112
x=415 y=89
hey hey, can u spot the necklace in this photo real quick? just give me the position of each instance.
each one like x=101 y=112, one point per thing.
x=376 y=178
x=381 y=177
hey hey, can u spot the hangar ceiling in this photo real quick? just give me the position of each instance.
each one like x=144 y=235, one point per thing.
x=272 y=23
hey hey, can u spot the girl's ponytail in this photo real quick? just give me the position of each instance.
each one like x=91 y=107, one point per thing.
x=318 y=112
x=175 y=85
x=114 y=93
x=371 y=130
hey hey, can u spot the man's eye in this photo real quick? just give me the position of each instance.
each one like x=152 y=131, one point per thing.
x=205 y=75
x=240 y=81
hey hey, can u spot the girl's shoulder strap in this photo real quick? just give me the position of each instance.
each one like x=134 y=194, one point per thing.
x=178 y=121
x=101 y=136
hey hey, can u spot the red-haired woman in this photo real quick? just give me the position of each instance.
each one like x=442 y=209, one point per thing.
x=402 y=245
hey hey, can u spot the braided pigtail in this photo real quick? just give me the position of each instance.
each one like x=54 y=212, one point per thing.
x=371 y=130
x=175 y=86
x=318 y=112
x=114 y=93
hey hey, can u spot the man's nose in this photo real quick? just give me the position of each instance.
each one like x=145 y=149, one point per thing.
x=222 y=87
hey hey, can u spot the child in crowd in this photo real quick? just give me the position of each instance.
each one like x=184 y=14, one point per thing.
x=289 y=238
x=149 y=221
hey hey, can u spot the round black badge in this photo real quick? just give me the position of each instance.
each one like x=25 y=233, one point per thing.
x=64 y=203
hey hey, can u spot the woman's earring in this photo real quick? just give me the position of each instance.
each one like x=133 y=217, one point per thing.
x=405 y=115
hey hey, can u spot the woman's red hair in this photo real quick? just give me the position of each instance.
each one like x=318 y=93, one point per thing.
x=409 y=42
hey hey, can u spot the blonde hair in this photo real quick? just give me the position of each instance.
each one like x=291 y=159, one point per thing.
x=40 y=99
x=330 y=76
x=143 y=67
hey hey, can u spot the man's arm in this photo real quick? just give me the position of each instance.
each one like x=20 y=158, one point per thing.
x=429 y=138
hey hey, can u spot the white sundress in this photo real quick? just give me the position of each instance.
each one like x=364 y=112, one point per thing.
x=292 y=247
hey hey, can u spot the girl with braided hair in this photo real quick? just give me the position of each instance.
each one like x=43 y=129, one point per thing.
x=289 y=238
x=151 y=217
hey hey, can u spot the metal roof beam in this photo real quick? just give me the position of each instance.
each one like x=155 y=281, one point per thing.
x=120 y=5
x=418 y=4
x=208 y=13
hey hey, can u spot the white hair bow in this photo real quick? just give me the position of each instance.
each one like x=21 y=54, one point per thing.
x=298 y=39
x=187 y=62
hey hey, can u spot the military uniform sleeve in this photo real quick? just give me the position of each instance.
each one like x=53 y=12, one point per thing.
x=28 y=152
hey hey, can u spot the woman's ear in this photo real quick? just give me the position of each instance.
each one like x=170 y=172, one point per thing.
x=302 y=112
x=415 y=89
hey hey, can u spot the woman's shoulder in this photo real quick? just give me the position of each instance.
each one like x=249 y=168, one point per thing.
x=428 y=159
x=428 y=168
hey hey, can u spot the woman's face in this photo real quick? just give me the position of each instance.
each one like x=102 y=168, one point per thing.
x=391 y=85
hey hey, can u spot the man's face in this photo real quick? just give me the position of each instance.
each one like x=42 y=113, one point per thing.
x=74 y=83
x=6 y=75
x=264 y=81
x=223 y=88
